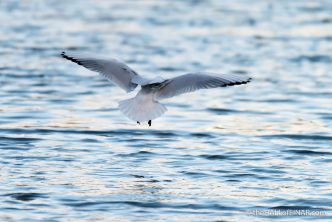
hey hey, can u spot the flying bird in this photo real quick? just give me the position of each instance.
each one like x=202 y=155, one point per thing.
x=145 y=105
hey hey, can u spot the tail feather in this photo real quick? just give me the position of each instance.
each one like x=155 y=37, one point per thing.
x=140 y=111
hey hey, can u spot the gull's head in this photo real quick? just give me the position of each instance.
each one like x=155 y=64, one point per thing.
x=157 y=79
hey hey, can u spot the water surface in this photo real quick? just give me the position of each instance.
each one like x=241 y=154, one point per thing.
x=68 y=154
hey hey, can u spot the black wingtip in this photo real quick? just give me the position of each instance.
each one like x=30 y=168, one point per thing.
x=63 y=54
x=239 y=83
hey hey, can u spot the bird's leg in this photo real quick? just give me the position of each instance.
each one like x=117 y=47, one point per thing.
x=149 y=122
x=138 y=123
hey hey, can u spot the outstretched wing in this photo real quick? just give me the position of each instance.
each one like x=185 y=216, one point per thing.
x=113 y=70
x=195 y=81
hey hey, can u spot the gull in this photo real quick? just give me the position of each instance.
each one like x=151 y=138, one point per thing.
x=145 y=105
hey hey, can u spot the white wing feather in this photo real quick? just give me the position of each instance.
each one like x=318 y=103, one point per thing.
x=195 y=81
x=112 y=69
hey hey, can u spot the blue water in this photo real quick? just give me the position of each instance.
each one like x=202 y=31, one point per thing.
x=68 y=154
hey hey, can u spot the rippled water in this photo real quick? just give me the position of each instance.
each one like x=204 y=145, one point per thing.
x=68 y=154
